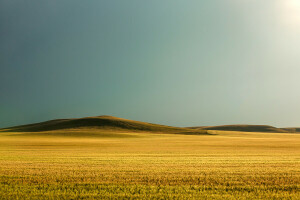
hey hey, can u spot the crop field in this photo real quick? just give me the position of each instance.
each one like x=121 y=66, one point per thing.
x=107 y=165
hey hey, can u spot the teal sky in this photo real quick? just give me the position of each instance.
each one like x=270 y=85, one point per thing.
x=172 y=62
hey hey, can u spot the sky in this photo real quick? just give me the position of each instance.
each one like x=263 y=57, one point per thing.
x=172 y=62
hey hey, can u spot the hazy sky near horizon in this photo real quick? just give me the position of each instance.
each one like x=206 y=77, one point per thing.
x=172 y=62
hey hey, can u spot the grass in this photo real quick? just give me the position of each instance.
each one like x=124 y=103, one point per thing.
x=131 y=165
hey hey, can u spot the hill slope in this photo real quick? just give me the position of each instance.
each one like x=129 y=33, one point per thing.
x=245 y=128
x=292 y=129
x=101 y=123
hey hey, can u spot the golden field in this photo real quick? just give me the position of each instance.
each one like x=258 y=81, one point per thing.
x=97 y=164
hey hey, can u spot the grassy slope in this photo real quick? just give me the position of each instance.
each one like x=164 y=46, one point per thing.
x=226 y=165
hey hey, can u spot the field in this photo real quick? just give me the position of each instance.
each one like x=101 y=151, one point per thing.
x=76 y=164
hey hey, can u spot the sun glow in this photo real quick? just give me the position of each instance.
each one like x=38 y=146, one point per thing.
x=296 y=2
x=291 y=12
x=295 y=5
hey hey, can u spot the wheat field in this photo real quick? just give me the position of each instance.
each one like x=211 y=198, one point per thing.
x=125 y=165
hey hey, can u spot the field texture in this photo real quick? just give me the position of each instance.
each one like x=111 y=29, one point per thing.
x=86 y=164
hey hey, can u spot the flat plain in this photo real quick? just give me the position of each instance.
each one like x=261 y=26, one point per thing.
x=75 y=164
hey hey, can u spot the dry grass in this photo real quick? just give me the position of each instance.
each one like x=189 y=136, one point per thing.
x=228 y=165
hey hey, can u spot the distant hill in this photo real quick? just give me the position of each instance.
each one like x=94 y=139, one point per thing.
x=247 y=128
x=107 y=123
x=115 y=124
x=292 y=129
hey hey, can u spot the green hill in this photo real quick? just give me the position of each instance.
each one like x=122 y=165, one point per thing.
x=105 y=123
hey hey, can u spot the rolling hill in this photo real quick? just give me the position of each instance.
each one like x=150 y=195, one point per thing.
x=248 y=128
x=116 y=125
x=105 y=123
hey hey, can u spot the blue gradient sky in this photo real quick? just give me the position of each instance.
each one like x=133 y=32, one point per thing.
x=171 y=62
